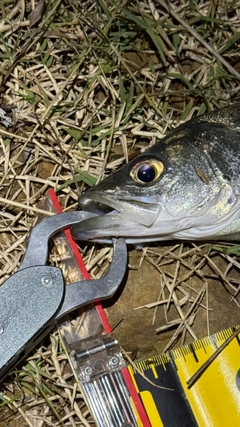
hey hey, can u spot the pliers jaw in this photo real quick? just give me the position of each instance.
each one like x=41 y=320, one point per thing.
x=35 y=298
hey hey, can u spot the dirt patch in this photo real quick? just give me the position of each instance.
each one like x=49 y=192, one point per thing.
x=136 y=329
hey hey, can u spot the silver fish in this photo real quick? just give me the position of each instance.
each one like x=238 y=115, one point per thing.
x=187 y=186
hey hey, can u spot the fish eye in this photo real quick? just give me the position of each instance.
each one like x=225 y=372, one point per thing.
x=147 y=171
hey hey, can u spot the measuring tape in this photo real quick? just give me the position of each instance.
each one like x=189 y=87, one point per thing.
x=214 y=399
x=154 y=392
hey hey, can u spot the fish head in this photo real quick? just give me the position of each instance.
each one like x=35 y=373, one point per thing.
x=131 y=192
x=181 y=188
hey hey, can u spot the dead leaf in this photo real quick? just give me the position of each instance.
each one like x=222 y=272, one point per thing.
x=36 y=14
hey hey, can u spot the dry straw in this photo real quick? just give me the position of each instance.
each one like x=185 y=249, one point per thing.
x=84 y=87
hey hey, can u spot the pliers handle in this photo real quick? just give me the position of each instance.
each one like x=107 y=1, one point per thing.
x=35 y=298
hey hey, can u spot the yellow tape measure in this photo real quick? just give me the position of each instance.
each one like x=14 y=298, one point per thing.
x=214 y=399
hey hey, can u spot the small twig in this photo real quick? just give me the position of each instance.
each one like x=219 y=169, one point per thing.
x=134 y=365
x=24 y=207
x=206 y=365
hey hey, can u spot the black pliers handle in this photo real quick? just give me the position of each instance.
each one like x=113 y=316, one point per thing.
x=34 y=298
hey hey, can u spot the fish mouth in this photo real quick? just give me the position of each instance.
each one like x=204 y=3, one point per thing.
x=100 y=206
x=115 y=216
x=141 y=210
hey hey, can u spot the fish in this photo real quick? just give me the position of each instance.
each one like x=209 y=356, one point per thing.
x=185 y=187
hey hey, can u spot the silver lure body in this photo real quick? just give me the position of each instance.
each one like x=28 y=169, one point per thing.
x=194 y=195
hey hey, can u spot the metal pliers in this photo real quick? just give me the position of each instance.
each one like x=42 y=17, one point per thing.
x=35 y=298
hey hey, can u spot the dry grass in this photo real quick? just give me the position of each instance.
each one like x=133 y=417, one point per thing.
x=84 y=86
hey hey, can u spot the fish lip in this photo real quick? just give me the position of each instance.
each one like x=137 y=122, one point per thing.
x=102 y=203
x=94 y=204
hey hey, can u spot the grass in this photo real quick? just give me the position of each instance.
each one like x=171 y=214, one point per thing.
x=85 y=86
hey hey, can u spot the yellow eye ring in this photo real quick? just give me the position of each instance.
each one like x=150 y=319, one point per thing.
x=147 y=171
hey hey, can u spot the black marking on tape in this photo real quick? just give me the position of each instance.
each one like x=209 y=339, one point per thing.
x=172 y=405
x=193 y=353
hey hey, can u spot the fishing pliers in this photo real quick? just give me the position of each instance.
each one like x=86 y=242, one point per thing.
x=35 y=298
